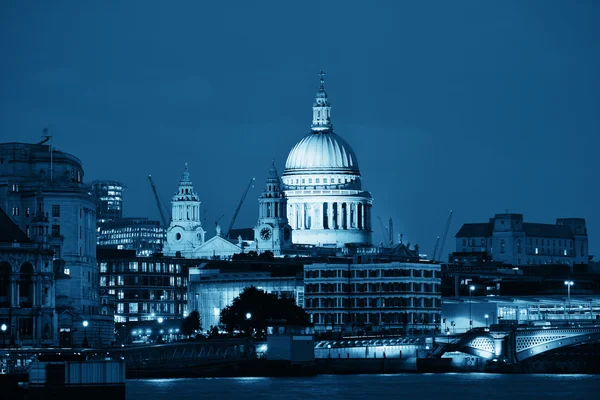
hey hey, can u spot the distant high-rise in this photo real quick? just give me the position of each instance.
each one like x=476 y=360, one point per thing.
x=110 y=197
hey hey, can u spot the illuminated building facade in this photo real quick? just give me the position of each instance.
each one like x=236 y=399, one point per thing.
x=506 y=238
x=185 y=234
x=144 y=236
x=326 y=205
x=213 y=285
x=110 y=199
x=272 y=232
x=366 y=294
x=143 y=288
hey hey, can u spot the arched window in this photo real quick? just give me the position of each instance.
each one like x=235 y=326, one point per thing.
x=26 y=285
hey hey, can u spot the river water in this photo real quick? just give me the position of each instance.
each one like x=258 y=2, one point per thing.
x=450 y=386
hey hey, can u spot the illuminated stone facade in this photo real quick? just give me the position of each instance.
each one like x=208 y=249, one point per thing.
x=326 y=205
x=185 y=234
x=272 y=232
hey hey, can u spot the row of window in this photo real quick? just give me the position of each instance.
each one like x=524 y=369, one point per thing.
x=330 y=180
x=143 y=281
x=135 y=266
x=377 y=288
x=376 y=318
x=16 y=211
x=371 y=302
x=371 y=273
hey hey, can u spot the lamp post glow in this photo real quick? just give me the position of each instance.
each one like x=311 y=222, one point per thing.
x=4 y=328
x=248 y=315
x=471 y=288
x=568 y=284
x=85 y=341
x=160 y=320
x=486 y=320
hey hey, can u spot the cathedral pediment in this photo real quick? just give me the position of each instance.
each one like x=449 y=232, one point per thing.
x=219 y=244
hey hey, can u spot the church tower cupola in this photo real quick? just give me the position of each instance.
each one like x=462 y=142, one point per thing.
x=321 y=109
x=185 y=232
x=272 y=232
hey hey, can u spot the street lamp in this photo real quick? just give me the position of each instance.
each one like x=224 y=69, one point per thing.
x=248 y=315
x=568 y=284
x=160 y=320
x=85 y=341
x=486 y=320
x=471 y=288
x=4 y=327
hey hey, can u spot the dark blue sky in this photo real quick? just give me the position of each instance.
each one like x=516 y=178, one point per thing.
x=474 y=106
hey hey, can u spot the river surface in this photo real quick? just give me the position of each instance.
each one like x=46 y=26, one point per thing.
x=450 y=386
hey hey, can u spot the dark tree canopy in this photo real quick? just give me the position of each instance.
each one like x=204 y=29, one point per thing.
x=191 y=323
x=260 y=307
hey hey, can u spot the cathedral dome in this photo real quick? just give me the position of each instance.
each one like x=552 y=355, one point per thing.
x=322 y=151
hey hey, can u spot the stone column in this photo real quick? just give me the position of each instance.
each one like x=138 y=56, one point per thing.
x=14 y=290
x=302 y=215
x=330 y=222
x=363 y=207
x=340 y=215
x=354 y=208
x=34 y=288
x=348 y=215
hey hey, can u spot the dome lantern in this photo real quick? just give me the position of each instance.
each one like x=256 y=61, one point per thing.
x=321 y=109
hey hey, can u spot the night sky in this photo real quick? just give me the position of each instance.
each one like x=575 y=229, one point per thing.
x=475 y=106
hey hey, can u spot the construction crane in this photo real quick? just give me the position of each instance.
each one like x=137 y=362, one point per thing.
x=158 y=203
x=437 y=242
x=445 y=234
x=250 y=184
x=385 y=237
x=218 y=219
x=391 y=232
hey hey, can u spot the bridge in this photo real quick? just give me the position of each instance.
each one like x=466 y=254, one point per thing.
x=518 y=344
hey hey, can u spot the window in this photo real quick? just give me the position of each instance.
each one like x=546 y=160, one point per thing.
x=56 y=210
x=536 y=251
x=67 y=271
x=324 y=180
x=15 y=211
x=15 y=188
x=27 y=230
x=27 y=212
x=55 y=230
x=318 y=180
x=518 y=246
x=502 y=246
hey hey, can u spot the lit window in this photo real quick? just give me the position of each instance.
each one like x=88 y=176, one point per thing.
x=565 y=252
x=536 y=251
x=67 y=271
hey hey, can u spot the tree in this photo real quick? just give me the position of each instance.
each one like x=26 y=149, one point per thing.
x=191 y=323
x=250 y=312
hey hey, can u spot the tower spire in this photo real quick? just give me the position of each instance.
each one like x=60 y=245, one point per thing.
x=321 y=108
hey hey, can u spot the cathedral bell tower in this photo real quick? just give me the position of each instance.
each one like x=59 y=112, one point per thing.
x=272 y=232
x=185 y=233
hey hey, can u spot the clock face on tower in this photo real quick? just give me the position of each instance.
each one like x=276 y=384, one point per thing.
x=265 y=233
